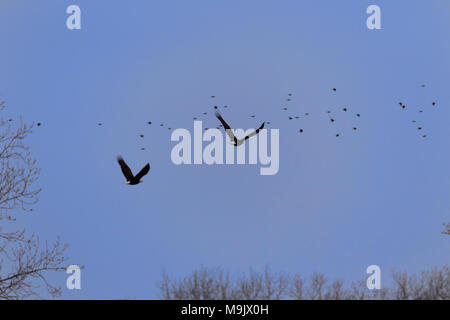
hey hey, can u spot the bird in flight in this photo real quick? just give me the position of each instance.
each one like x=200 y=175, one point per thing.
x=235 y=141
x=131 y=179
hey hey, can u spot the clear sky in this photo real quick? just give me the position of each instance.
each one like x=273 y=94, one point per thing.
x=337 y=205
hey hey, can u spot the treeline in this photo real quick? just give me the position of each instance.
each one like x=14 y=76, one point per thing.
x=217 y=284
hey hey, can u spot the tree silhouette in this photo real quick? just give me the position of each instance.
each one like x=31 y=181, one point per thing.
x=216 y=284
x=24 y=260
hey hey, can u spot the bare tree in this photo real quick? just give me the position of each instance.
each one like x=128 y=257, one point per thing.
x=215 y=284
x=430 y=285
x=24 y=260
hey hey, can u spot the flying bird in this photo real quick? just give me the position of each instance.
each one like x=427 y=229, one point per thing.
x=235 y=141
x=131 y=179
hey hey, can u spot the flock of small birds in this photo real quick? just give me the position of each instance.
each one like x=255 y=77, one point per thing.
x=332 y=117
x=420 y=110
x=291 y=117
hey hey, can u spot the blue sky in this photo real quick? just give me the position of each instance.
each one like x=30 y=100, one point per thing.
x=375 y=196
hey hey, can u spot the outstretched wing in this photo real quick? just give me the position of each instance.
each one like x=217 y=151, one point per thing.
x=125 y=169
x=254 y=133
x=143 y=172
x=226 y=126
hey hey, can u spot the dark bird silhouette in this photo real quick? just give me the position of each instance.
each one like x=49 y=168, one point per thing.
x=403 y=106
x=358 y=115
x=290 y=118
x=423 y=86
x=433 y=103
x=99 y=123
x=205 y=113
x=332 y=120
x=345 y=109
x=149 y=122
x=142 y=148
x=235 y=141
x=141 y=135
x=38 y=124
x=419 y=128
x=334 y=89
x=420 y=111
x=284 y=108
x=301 y=130
x=131 y=179
x=307 y=114
x=354 y=128
x=225 y=106
x=337 y=134
x=213 y=96
x=414 y=121
x=162 y=124
x=215 y=107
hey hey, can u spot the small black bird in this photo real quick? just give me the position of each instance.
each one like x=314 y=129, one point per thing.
x=332 y=120
x=358 y=115
x=131 y=179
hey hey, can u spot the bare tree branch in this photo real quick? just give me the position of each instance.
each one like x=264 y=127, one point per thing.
x=24 y=260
